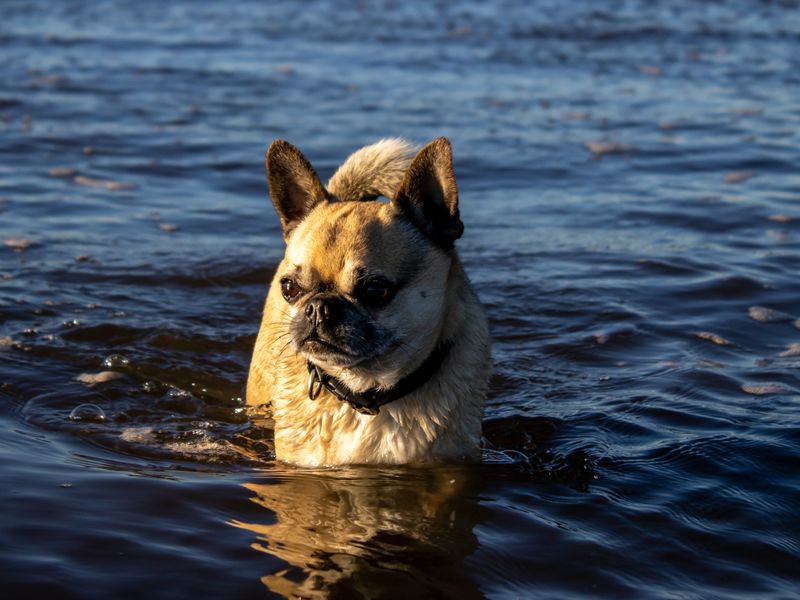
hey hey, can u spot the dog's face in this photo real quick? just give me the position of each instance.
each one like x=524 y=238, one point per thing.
x=363 y=282
x=362 y=287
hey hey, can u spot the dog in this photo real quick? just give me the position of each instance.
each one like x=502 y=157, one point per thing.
x=373 y=347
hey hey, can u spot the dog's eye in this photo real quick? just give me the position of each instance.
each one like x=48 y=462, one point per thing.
x=374 y=292
x=290 y=289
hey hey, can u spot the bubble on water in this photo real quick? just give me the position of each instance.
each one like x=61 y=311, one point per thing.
x=89 y=413
x=116 y=361
x=177 y=393
x=178 y=400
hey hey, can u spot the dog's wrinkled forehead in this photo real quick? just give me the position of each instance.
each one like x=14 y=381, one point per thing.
x=340 y=241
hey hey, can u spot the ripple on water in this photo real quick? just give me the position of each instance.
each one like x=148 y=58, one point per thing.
x=642 y=421
x=116 y=414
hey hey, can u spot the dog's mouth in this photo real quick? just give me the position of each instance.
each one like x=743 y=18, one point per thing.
x=315 y=348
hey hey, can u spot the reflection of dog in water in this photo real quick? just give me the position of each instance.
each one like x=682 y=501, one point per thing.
x=365 y=533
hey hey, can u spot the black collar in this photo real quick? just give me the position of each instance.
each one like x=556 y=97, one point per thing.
x=370 y=401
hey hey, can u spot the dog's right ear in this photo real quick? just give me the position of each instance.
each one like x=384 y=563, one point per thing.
x=294 y=186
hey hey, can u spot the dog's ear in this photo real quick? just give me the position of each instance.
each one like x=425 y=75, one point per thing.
x=428 y=195
x=294 y=186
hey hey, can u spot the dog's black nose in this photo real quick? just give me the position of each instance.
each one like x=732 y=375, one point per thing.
x=320 y=310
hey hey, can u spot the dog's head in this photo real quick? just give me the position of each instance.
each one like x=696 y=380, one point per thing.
x=364 y=283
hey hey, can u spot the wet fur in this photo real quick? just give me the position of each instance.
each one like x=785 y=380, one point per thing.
x=329 y=243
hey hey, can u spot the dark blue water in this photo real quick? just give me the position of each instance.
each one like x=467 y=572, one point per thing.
x=630 y=184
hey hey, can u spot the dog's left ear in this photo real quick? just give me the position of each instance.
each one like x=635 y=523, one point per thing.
x=294 y=186
x=428 y=195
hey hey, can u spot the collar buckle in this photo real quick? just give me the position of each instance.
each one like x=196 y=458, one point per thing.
x=315 y=381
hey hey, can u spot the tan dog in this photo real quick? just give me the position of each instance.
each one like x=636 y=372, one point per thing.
x=373 y=346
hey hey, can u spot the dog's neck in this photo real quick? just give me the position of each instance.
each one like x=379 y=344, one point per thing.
x=370 y=401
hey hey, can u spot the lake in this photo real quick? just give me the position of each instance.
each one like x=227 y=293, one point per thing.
x=629 y=177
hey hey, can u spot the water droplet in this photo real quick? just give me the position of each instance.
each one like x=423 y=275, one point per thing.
x=90 y=413
x=174 y=392
x=180 y=401
x=116 y=361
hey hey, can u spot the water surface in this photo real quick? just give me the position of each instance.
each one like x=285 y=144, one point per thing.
x=629 y=185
